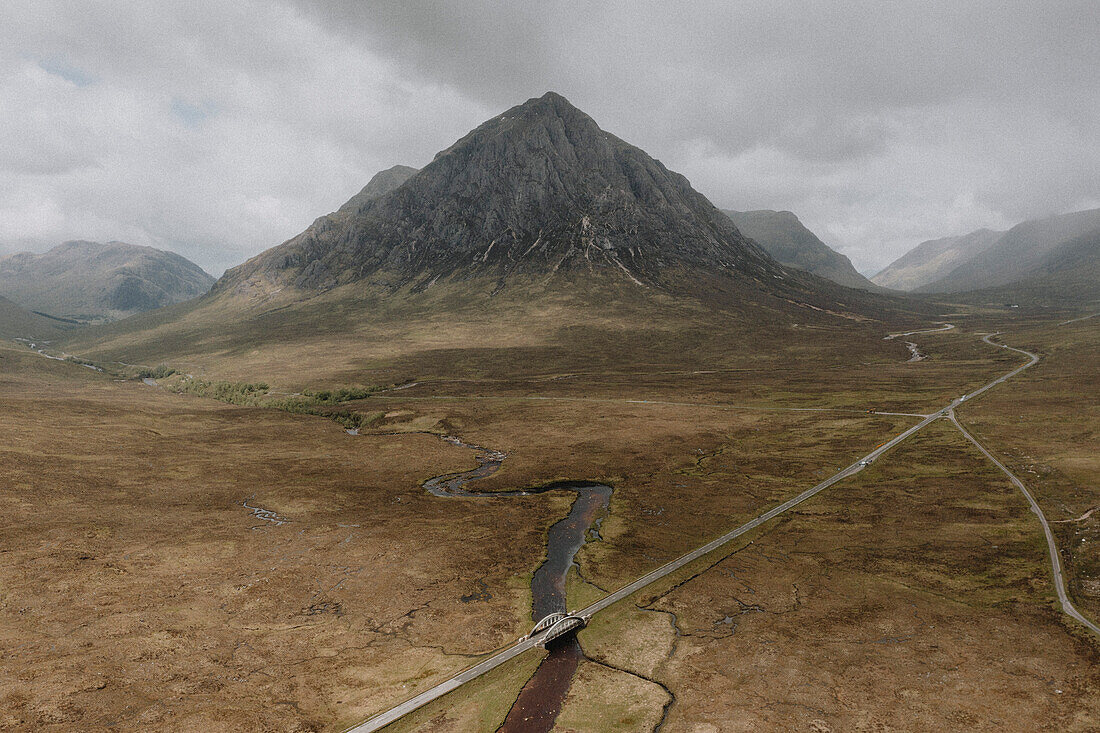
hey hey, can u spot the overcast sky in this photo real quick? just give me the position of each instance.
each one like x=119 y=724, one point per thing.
x=219 y=129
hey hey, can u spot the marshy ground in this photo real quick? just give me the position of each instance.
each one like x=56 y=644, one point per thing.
x=141 y=588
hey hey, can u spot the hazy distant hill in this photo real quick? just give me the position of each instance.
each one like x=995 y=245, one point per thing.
x=93 y=281
x=1073 y=268
x=1020 y=253
x=931 y=260
x=1068 y=275
x=786 y=239
x=16 y=322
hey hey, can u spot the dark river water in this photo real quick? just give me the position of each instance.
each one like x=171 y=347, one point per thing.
x=541 y=699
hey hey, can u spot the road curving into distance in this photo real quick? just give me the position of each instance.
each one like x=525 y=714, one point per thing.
x=1055 y=558
x=393 y=714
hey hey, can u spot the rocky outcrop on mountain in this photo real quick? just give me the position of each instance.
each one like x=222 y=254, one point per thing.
x=90 y=281
x=786 y=239
x=382 y=183
x=539 y=190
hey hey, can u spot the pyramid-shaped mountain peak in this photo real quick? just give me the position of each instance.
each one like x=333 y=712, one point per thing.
x=538 y=127
x=536 y=191
x=549 y=105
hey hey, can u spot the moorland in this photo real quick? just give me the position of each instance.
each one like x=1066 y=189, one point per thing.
x=176 y=561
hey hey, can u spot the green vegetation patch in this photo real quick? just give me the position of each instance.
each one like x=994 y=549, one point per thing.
x=258 y=394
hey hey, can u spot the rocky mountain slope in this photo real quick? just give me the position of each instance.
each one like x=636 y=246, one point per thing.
x=929 y=261
x=89 y=281
x=382 y=183
x=538 y=190
x=1020 y=253
x=786 y=239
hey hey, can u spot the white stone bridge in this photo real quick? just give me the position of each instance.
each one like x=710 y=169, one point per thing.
x=555 y=625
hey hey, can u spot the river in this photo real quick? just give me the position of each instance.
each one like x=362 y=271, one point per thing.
x=541 y=699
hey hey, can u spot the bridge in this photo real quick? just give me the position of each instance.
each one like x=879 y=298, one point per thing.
x=555 y=625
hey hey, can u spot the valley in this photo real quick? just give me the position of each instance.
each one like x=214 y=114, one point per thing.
x=373 y=589
x=536 y=439
x=382 y=367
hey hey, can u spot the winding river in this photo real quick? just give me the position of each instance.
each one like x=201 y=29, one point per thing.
x=540 y=700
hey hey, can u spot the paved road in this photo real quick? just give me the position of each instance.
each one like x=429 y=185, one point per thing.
x=391 y=715
x=383 y=719
x=1055 y=559
x=1082 y=318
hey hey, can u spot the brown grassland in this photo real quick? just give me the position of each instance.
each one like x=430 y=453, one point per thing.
x=141 y=585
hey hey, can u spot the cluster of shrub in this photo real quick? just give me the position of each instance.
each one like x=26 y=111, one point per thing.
x=342 y=394
x=255 y=394
x=159 y=372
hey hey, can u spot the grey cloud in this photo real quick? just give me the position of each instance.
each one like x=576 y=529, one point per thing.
x=220 y=128
x=854 y=106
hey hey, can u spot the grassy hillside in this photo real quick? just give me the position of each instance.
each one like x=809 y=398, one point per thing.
x=363 y=333
x=931 y=260
x=1020 y=253
x=1067 y=277
x=16 y=322
x=89 y=281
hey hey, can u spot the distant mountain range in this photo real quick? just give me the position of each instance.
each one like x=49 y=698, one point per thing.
x=1051 y=252
x=89 y=281
x=786 y=239
x=1021 y=252
x=1068 y=275
x=929 y=261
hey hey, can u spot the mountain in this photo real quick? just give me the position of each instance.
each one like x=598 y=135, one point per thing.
x=1067 y=276
x=785 y=238
x=1018 y=254
x=929 y=261
x=89 y=281
x=1070 y=272
x=382 y=183
x=537 y=241
x=538 y=190
x=16 y=322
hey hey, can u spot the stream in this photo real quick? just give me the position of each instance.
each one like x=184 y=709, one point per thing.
x=540 y=700
x=914 y=351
